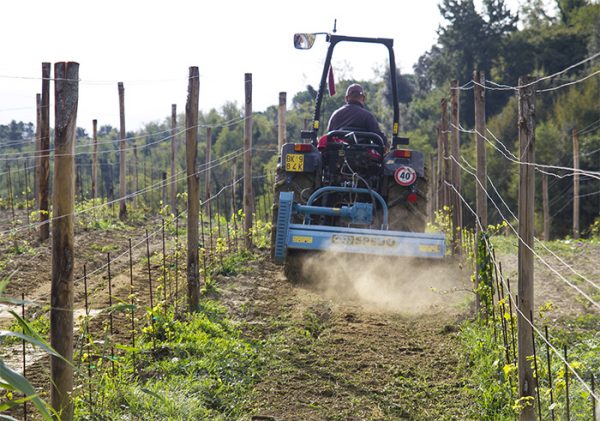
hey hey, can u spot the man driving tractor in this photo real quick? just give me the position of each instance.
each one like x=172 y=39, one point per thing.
x=354 y=116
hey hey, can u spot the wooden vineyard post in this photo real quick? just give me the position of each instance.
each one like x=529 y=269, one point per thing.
x=455 y=169
x=281 y=132
x=66 y=87
x=44 y=179
x=94 y=158
x=576 y=201
x=546 y=207
x=481 y=185
x=164 y=188
x=122 y=145
x=439 y=193
x=134 y=173
x=481 y=188
x=234 y=187
x=446 y=154
x=526 y=226
x=193 y=186
x=432 y=193
x=38 y=147
x=248 y=196
x=173 y=159
x=207 y=165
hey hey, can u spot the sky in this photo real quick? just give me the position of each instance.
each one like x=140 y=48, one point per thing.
x=149 y=45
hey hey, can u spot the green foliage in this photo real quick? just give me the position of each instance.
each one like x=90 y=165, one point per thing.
x=96 y=214
x=195 y=366
x=485 y=273
x=261 y=234
x=13 y=383
x=594 y=229
x=39 y=323
x=443 y=223
x=489 y=360
x=493 y=381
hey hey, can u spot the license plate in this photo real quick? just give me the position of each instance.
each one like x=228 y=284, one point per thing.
x=294 y=162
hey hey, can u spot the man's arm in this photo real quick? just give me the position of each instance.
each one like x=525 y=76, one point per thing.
x=373 y=126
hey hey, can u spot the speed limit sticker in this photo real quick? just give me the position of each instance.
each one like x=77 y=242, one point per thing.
x=405 y=176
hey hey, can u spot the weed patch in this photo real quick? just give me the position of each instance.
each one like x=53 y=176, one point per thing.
x=196 y=366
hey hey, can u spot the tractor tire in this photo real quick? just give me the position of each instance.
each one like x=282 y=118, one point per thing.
x=302 y=184
x=405 y=216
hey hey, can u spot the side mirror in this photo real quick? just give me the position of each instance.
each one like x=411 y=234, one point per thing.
x=304 y=41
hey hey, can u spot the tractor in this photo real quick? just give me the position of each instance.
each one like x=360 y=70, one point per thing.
x=346 y=190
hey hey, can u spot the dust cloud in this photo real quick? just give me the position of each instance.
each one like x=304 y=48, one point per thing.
x=394 y=284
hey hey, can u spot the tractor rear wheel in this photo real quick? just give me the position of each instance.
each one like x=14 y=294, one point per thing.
x=405 y=216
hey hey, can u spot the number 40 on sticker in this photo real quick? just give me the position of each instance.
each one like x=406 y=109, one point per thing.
x=405 y=176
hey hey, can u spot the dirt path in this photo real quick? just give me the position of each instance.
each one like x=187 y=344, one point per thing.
x=337 y=352
x=561 y=279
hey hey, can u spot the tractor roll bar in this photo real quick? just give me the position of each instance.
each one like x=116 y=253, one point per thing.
x=388 y=43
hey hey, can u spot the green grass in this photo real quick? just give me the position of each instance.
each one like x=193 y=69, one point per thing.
x=491 y=377
x=197 y=366
x=493 y=373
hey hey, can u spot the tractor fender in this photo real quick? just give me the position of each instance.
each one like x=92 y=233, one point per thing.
x=392 y=162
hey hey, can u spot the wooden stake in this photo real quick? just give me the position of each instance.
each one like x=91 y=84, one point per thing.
x=193 y=186
x=549 y=361
x=11 y=197
x=526 y=226
x=446 y=154
x=481 y=199
x=136 y=180
x=110 y=315
x=455 y=169
x=66 y=88
x=149 y=269
x=432 y=192
x=233 y=186
x=207 y=160
x=173 y=158
x=546 y=207
x=122 y=146
x=481 y=184
x=248 y=194
x=38 y=147
x=164 y=188
x=26 y=172
x=439 y=178
x=24 y=354
x=94 y=158
x=592 y=397
x=535 y=368
x=281 y=129
x=567 y=396
x=176 y=261
x=575 y=185
x=132 y=298
x=234 y=202
x=44 y=179
x=78 y=179
x=164 y=261
x=87 y=338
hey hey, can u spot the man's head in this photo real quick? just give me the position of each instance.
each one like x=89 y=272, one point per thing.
x=355 y=93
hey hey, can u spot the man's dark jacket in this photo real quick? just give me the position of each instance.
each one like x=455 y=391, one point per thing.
x=354 y=116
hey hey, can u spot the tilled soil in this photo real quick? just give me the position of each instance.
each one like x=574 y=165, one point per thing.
x=332 y=356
